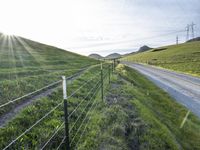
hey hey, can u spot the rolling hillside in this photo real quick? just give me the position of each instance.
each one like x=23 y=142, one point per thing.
x=26 y=66
x=113 y=55
x=131 y=114
x=183 y=57
x=95 y=56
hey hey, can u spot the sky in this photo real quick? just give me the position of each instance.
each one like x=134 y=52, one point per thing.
x=100 y=26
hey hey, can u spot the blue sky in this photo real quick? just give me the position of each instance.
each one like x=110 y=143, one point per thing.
x=100 y=26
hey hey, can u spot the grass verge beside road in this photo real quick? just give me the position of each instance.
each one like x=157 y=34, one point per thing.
x=183 y=57
x=155 y=105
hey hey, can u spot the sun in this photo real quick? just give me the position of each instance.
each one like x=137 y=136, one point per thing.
x=7 y=32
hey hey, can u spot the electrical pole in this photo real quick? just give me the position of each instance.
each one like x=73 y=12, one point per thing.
x=177 y=40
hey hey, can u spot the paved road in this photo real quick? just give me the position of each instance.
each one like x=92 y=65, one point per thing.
x=183 y=88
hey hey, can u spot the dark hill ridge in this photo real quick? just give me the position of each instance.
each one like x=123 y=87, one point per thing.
x=144 y=48
x=95 y=56
x=113 y=55
x=195 y=39
x=110 y=56
x=141 y=49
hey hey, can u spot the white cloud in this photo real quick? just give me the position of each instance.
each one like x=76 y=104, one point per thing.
x=85 y=26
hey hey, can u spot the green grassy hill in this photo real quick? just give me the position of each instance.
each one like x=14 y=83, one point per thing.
x=183 y=57
x=26 y=66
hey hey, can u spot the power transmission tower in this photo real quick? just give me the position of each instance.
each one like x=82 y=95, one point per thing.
x=188 y=27
x=177 y=40
x=192 y=28
x=187 y=30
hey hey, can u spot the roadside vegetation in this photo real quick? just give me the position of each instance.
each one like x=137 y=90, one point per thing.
x=183 y=57
x=162 y=112
x=137 y=115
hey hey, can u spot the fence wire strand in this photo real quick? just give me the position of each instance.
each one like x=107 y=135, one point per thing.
x=83 y=110
x=57 y=130
x=45 y=87
x=61 y=143
x=84 y=129
x=83 y=121
x=83 y=99
x=47 y=114
x=29 y=94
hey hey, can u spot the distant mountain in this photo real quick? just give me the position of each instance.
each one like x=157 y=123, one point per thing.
x=144 y=48
x=95 y=56
x=195 y=39
x=141 y=49
x=113 y=55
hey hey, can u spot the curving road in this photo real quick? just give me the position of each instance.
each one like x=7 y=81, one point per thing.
x=183 y=88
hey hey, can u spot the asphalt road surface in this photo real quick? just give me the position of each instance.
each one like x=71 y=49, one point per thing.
x=183 y=88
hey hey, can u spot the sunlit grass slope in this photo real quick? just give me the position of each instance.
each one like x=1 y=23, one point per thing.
x=26 y=66
x=183 y=57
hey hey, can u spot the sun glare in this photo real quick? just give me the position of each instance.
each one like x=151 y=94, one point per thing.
x=6 y=32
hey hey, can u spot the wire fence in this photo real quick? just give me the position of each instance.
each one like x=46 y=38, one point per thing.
x=51 y=85
x=88 y=104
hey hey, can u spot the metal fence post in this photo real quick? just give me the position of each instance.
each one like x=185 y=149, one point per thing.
x=67 y=145
x=101 y=82
x=112 y=67
x=109 y=73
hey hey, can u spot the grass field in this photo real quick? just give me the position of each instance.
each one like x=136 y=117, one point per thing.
x=135 y=114
x=138 y=115
x=183 y=57
x=26 y=66
x=37 y=137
